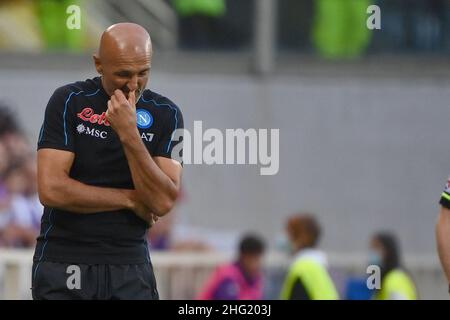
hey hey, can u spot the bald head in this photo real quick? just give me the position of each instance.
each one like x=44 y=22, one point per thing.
x=126 y=39
x=124 y=58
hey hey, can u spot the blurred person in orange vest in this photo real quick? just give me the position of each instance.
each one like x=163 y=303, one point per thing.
x=242 y=279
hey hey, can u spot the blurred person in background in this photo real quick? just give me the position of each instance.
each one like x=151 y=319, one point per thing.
x=163 y=236
x=425 y=22
x=20 y=209
x=396 y=284
x=308 y=277
x=7 y=126
x=11 y=135
x=53 y=13
x=443 y=231
x=242 y=279
x=339 y=29
x=19 y=21
x=199 y=22
x=159 y=235
x=8 y=122
x=24 y=210
x=4 y=197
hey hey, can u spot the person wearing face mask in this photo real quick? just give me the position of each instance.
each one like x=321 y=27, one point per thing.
x=396 y=284
x=308 y=277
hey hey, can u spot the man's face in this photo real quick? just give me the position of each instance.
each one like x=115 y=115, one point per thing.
x=124 y=72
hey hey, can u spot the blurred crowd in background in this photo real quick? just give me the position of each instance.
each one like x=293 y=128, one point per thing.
x=334 y=29
x=20 y=209
x=241 y=279
x=330 y=28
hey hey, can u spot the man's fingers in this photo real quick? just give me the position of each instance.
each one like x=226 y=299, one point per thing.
x=132 y=99
x=109 y=108
x=114 y=101
x=153 y=219
x=119 y=95
x=120 y=98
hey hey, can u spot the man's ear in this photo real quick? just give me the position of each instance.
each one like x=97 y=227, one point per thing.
x=98 y=64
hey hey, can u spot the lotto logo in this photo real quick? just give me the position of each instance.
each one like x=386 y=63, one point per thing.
x=87 y=114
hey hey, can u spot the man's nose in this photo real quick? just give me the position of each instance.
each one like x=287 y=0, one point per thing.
x=133 y=84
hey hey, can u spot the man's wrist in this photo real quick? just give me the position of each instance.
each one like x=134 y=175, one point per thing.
x=130 y=202
x=129 y=136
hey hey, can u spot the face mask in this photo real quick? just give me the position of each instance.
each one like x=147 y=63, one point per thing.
x=285 y=245
x=375 y=258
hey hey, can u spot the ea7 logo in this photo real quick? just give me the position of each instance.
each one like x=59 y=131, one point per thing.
x=147 y=136
x=74 y=280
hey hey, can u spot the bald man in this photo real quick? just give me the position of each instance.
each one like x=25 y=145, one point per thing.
x=105 y=175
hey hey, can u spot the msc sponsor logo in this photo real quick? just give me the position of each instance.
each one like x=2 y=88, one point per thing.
x=82 y=129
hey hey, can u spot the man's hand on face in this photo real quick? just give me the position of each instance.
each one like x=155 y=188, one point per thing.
x=121 y=113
